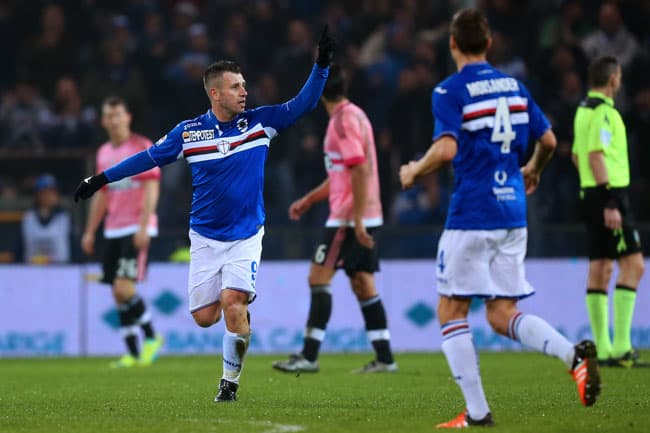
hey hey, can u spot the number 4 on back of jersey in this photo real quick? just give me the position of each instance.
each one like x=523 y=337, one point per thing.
x=502 y=131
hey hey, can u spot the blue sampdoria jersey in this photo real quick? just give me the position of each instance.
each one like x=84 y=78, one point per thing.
x=492 y=117
x=227 y=161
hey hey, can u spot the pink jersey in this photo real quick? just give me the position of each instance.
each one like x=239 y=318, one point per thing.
x=124 y=198
x=350 y=141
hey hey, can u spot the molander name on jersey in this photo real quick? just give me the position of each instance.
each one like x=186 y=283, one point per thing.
x=496 y=85
x=206 y=134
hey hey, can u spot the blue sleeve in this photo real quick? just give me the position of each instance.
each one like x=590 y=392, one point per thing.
x=284 y=115
x=537 y=120
x=447 y=112
x=138 y=163
x=168 y=148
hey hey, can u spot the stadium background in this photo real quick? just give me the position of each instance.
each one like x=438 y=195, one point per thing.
x=61 y=58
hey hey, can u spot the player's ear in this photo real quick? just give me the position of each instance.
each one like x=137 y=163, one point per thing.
x=452 y=43
x=489 y=43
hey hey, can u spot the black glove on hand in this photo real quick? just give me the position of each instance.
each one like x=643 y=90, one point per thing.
x=90 y=186
x=326 y=46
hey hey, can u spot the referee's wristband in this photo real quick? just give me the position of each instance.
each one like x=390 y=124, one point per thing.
x=607 y=196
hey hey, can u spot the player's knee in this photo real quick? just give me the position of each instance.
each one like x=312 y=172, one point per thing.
x=207 y=316
x=363 y=286
x=123 y=290
x=234 y=310
x=452 y=309
x=632 y=267
x=498 y=323
x=205 y=319
x=498 y=317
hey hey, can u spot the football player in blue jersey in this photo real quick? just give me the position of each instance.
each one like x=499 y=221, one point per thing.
x=483 y=122
x=226 y=148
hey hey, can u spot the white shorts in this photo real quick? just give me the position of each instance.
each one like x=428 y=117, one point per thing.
x=483 y=263
x=217 y=265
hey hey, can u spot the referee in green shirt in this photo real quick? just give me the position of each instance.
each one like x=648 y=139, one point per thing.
x=600 y=154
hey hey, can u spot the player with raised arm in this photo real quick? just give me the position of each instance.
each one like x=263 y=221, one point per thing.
x=352 y=187
x=226 y=149
x=130 y=210
x=483 y=122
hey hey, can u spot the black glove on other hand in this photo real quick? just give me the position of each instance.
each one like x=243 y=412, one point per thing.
x=326 y=46
x=90 y=186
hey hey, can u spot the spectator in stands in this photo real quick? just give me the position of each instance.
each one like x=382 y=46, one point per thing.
x=71 y=124
x=46 y=227
x=611 y=38
x=115 y=75
x=23 y=114
x=52 y=51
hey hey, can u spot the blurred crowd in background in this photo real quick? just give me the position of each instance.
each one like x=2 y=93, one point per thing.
x=62 y=58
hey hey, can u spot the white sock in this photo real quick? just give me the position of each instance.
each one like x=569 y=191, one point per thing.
x=535 y=333
x=234 y=349
x=458 y=347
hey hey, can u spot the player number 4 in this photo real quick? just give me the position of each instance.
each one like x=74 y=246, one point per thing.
x=502 y=131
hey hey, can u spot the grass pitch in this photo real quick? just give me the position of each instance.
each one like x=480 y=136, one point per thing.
x=527 y=392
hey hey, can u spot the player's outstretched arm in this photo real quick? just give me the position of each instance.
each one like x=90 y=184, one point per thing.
x=304 y=203
x=133 y=165
x=441 y=152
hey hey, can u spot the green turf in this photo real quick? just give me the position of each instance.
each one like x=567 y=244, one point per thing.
x=527 y=392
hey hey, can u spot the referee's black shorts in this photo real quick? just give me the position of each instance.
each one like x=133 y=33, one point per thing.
x=340 y=249
x=604 y=243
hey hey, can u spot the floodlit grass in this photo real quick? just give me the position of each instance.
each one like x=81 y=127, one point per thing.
x=527 y=392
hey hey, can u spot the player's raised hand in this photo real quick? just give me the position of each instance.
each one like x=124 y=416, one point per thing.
x=298 y=208
x=90 y=186
x=326 y=46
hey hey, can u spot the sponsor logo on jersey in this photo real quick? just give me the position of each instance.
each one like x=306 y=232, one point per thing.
x=501 y=192
x=202 y=135
x=242 y=124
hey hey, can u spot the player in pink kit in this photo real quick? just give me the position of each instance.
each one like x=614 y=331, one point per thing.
x=352 y=187
x=129 y=206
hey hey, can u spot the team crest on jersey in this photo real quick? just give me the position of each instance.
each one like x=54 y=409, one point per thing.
x=223 y=146
x=242 y=124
